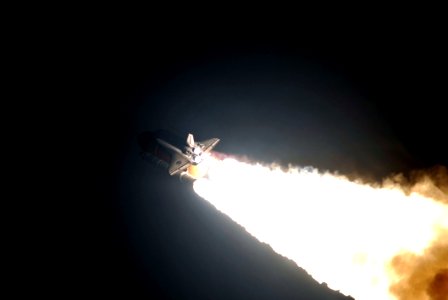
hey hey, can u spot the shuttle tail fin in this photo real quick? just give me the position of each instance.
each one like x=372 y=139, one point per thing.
x=190 y=140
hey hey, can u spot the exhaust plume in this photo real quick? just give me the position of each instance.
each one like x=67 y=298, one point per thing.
x=370 y=241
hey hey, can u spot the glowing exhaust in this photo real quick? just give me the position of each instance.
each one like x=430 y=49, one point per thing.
x=370 y=242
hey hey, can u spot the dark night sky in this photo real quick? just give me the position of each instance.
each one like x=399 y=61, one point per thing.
x=358 y=101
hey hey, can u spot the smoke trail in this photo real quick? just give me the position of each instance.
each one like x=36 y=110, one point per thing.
x=384 y=241
x=425 y=276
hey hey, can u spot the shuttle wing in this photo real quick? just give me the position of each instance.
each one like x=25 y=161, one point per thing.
x=178 y=164
x=209 y=144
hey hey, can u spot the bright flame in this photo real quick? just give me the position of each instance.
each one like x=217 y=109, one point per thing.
x=360 y=239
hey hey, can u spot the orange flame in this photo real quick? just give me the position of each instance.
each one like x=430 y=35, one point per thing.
x=386 y=241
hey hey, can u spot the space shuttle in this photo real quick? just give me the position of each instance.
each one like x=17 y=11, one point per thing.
x=174 y=153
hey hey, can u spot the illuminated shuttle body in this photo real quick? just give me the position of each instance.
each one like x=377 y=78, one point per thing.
x=170 y=151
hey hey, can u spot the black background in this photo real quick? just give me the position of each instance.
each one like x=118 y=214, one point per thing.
x=357 y=100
